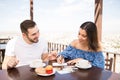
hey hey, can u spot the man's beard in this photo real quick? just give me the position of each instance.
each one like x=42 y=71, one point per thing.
x=35 y=40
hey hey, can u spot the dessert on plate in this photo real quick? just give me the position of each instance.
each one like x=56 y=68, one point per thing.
x=44 y=70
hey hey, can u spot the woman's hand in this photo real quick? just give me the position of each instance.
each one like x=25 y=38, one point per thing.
x=60 y=59
x=74 y=61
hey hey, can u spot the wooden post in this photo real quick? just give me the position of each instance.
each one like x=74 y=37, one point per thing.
x=31 y=9
x=98 y=17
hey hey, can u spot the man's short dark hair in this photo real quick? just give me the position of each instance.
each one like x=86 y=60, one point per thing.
x=27 y=24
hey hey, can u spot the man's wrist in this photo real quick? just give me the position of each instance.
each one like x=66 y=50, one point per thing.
x=58 y=55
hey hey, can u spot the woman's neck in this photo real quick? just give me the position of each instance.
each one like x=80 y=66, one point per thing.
x=82 y=46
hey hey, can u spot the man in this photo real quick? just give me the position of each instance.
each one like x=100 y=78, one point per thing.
x=22 y=50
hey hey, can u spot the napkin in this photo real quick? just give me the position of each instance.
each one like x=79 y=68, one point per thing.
x=66 y=70
x=57 y=64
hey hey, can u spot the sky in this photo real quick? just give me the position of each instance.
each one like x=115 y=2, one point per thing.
x=58 y=16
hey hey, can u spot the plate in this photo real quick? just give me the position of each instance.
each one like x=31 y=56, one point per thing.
x=83 y=66
x=37 y=63
x=47 y=74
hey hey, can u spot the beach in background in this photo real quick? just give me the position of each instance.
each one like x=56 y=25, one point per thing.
x=111 y=42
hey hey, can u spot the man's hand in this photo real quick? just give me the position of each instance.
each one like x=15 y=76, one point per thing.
x=52 y=55
x=12 y=62
x=44 y=57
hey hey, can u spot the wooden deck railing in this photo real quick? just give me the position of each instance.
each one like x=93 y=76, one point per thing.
x=116 y=60
x=60 y=47
x=4 y=40
x=116 y=56
x=56 y=46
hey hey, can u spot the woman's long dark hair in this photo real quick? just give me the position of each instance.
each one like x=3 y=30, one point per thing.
x=92 y=35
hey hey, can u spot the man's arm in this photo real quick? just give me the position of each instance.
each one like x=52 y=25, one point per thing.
x=49 y=56
x=5 y=61
x=9 y=62
x=45 y=57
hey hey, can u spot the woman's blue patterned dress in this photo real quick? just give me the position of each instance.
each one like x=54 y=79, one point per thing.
x=96 y=58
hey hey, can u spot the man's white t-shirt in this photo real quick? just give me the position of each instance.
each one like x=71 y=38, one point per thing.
x=24 y=52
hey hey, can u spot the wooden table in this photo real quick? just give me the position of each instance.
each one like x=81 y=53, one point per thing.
x=27 y=73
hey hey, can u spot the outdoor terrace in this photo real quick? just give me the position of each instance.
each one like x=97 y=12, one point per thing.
x=59 y=47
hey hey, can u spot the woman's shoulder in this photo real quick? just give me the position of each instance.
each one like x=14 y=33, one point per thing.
x=74 y=42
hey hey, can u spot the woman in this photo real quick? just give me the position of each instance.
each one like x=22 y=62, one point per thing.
x=85 y=47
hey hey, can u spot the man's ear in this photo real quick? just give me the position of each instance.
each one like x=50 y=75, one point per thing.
x=24 y=35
